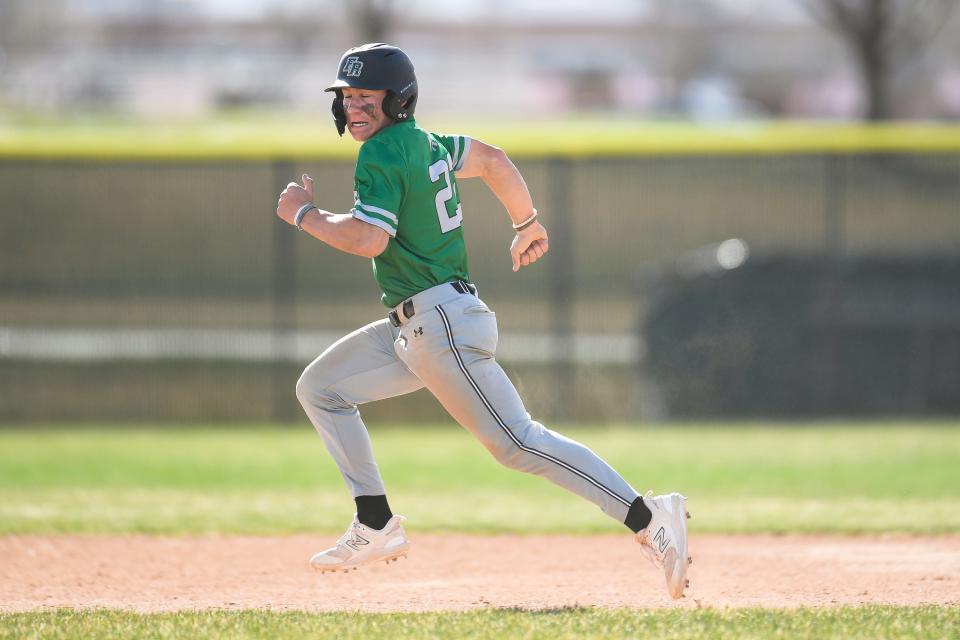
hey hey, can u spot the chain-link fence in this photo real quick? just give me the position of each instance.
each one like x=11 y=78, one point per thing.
x=169 y=290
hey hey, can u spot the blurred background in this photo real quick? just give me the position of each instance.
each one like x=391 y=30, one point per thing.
x=754 y=207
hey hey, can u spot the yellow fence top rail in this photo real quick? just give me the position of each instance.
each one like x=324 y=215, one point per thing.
x=315 y=139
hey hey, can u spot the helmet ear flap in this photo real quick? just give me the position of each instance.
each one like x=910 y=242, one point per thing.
x=339 y=115
x=397 y=110
x=410 y=105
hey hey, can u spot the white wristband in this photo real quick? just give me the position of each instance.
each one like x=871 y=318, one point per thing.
x=301 y=212
x=521 y=225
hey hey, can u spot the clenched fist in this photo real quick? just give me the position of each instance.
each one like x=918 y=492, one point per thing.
x=294 y=197
x=529 y=245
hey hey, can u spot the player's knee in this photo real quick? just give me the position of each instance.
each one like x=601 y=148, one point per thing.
x=304 y=388
x=514 y=452
x=510 y=456
x=313 y=394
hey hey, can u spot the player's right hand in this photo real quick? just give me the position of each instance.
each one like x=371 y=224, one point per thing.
x=308 y=185
x=294 y=197
x=529 y=245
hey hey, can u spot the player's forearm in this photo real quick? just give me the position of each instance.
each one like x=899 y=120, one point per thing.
x=505 y=181
x=344 y=232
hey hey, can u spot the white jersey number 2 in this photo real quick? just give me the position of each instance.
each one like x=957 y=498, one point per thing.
x=447 y=222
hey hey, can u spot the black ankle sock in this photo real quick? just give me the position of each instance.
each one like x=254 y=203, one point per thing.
x=639 y=516
x=373 y=511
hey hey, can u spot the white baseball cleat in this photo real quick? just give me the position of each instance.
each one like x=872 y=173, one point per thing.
x=664 y=541
x=362 y=545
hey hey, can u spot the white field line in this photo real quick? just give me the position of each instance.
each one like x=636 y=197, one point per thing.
x=113 y=344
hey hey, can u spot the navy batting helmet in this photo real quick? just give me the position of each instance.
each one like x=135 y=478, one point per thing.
x=376 y=66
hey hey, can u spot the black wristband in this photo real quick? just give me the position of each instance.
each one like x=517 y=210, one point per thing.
x=302 y=212
x=526 y=223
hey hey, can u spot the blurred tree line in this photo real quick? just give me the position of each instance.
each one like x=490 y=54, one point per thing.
x=883 y=37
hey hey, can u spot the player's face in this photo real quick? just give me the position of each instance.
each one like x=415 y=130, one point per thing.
x=364 y=109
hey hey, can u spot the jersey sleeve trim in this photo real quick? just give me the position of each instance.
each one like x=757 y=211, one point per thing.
x=369 y=208
x=376 y=220
x=459 y=157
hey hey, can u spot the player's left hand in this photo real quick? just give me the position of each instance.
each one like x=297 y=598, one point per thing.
x=294 y=197
x=529 y=245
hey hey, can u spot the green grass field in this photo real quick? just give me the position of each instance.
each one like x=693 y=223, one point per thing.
x=836 y=478
x=575 y=623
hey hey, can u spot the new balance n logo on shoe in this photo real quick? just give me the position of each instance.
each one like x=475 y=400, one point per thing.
x=356 y=542
x=661 y=540
x=418 y=331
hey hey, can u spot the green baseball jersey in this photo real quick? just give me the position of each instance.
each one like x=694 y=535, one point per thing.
x=404 y=184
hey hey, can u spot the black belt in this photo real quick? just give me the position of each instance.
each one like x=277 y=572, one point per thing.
x=408 y=310
x=464 y=287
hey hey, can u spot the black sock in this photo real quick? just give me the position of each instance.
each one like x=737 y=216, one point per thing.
x=639 y=516
x=373 y=511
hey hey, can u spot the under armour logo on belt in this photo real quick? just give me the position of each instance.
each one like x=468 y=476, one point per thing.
x=418 y=331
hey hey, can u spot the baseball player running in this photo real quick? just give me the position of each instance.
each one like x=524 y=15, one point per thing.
x=438 y=333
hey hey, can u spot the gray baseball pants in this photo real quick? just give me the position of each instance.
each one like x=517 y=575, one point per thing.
x=447 y=346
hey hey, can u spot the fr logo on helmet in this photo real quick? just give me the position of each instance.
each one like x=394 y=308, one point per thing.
x=352 y=67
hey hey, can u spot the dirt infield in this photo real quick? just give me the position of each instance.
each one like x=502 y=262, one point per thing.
x=456 y=572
